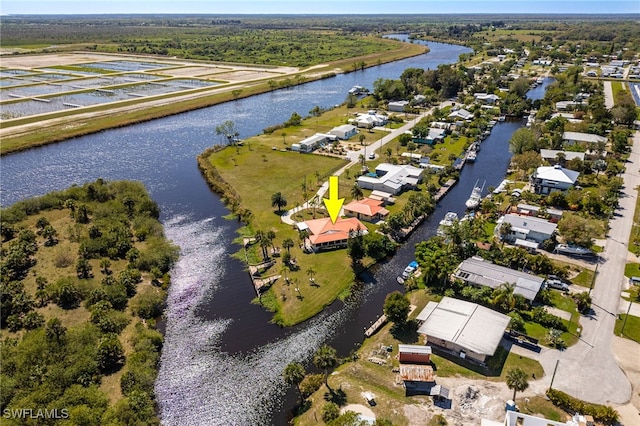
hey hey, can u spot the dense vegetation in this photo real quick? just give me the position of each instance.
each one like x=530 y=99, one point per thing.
x=229 y=41
x=84 y=275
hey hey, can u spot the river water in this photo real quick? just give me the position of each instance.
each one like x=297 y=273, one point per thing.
x=222 y=359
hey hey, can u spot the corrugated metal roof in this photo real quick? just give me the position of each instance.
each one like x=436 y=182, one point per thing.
x=481 y=272
x=466 y=324
x=416 y=373
x=415 y=349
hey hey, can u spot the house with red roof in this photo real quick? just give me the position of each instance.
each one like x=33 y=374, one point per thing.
x=325 y=235
x=366 y=209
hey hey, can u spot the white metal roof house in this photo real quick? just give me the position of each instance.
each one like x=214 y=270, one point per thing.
x=487 y=98
x=571 y=138
x=344 y=132
x=526 y=228
x=312 y=143
x=470 y=330
x=548 y=179
x=397 y=106
x=391 y=178
x=480 y=272
x=462 y=113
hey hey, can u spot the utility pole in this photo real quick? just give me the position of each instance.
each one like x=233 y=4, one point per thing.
x=593 y=280
x=554 y=374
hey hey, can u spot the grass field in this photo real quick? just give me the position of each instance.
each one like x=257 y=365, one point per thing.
x=631 y=327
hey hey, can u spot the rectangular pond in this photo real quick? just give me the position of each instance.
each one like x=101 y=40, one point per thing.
x=28 y=107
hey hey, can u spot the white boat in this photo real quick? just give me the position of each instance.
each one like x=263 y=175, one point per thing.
x=475 y=198
x=573 y=250
x=408 y=271
x=449 y=218
x=539 y=80
x=357 y=90
x=501 y=118
x=471 y=156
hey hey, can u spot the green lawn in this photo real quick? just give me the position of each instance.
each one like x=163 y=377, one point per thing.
x=631 y=327
x=449 y=147
x=583 y=279
x=632 y=270
x=539 y=405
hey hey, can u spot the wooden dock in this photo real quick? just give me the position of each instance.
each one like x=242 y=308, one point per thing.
x=261 y=284
x=445 y=188
x=382 y=320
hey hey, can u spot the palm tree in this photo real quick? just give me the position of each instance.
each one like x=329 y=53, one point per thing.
x=517 y=380
x=503 y=297
x=287 y=243
x=294 y=374
x=278 y=200
x=325 y=359
x=389 y=153
x=314 y=204
x=304 y=189
x=356 y=192
x=311 y=272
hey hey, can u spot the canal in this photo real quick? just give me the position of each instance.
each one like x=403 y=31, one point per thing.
x=222 y=359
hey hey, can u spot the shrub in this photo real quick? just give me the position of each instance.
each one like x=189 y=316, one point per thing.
x=149 y=305
x=310 y=384
x=544 y=318
x=600 y=413
x=330 y=411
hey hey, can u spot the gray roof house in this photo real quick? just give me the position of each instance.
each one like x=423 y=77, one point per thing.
x=397 y=106
x=480 y=272
x=487 y=98
x=526 y=228
x=551 y=155
x=470 y=330
x=548 y=179
x=462 y=113
x=579 y=137
x=344 y=132
x=391 y=178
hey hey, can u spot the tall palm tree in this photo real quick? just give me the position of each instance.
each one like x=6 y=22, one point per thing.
x=311 y=272
x=517 y=380
x=356 y=191
x=294 y=374
x=287 y=243
x=304 y=189
x=388 y=152
x=314 y=204
x=278 y=200
x=325 y=359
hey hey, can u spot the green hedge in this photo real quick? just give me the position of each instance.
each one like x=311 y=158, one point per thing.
x=600 y=413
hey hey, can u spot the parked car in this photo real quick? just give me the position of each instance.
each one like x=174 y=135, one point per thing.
x=557 y=283
x=372 y=156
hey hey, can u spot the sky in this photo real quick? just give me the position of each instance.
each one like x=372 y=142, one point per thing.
x=13 y=7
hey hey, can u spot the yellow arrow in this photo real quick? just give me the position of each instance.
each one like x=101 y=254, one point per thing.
x=333 y=203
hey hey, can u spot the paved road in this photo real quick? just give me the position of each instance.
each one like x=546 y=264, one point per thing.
x=354 y=158
x=608 y=94
x=588 y=369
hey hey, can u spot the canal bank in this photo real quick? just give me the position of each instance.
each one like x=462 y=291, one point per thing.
x=215 y=339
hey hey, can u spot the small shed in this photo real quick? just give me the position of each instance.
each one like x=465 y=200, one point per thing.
x=439 y=392
x=414 y=354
